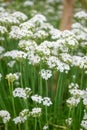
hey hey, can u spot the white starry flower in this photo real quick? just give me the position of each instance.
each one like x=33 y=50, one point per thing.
x=11 y=77
x=28 y=3
x=33 y=58
x=38 y=18
x=3 y=29
x=47 y=101
x=36 y=98
x=46 y=74
x=15 y=54
x=19 y=33
x=0 y=76
x=36 y=112
x=27 y=45
x=11 y=63
x=84 y=124
x=19 y=15
x=81 y=15
x=71 y=102
x=23 y=115
x=69 y=121
x=45 y=127
x=19 y=92
x=5 y=115
x=22 y=93
x=1 y=49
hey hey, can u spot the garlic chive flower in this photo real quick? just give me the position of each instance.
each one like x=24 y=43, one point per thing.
x=12 y=77
x=46 y=74
x=36 y=98
x=23 y=115
x=22 y=93
x=3 y=30
x=5 y=115
x=0 y=76
x=46 y=101
x=36 y=112
x=45 y=127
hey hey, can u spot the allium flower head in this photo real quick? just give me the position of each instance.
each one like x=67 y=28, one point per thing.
x=5 y=115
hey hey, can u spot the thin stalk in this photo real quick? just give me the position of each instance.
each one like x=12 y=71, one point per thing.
x=26 y=125
x=40 y=83
x=46 y=113
x=13 y=104
x=46 y=88
x=33 y=78
x=35 y=123
x=19 y=127
x=6 y=126
x=57 y=101
x=40 y=128
x=21 y=78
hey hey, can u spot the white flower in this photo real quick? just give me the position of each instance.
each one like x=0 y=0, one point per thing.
x=22 y=93
x=71 y=102
x=19 y=92
x=46 y=74
x=45 y=127
x=11 y=63
x=3 y=29
x=12 y=77
x=15 y=54
x=36 y=98
x=19 y=15
x=36 y=112
x=28 y=3
x=5 y=115
x=23 y=115
x=0 y=76
x=1 y=49
x=84 y=124
x=81 y=15
x=69 y=121
x=47 y=101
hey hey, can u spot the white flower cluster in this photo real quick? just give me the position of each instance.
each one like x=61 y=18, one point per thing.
x=76 y=95
x=45 y=127
x=81 y=15
x=19 y=33
x=84 y=121
x=22 y=93
x=12 y=77
x=38 y=99
x=15 y=54
x=69 y=121
x=23 y=115
x=3 y=30
x=12 y=18
x=36 y=112
x=5 y=115
x=11 y=63
x=46 y=74
x=1 y=49
x=0 y=76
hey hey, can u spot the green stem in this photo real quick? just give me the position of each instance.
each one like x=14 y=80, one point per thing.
x=46 y=88
x=6 y=126
x=46 y=112
x=40 y=83
x=57 y=98
x=21 y=78
x=26 y=125
x=19 y=127
x=13 y=104
x=35 y=123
